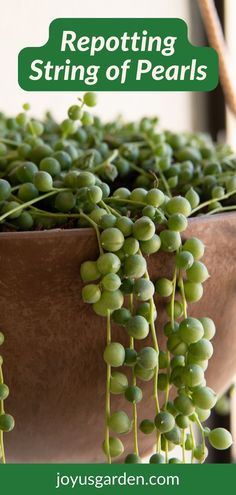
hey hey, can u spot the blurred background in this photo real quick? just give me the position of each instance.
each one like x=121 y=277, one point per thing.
x=25 y=23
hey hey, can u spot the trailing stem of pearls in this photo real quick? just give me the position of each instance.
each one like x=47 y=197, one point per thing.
x=108 y=405
x=134 y=406
x=2 y=449
x=6 y=420
x=122 y=271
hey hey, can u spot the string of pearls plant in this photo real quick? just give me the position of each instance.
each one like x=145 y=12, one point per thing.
x=76 y=175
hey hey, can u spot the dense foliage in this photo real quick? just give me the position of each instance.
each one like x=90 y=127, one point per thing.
x=136 y=186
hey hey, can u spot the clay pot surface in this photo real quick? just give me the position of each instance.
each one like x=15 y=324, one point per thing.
x=54 y=342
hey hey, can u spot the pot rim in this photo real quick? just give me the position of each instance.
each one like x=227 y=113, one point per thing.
x=90 y=231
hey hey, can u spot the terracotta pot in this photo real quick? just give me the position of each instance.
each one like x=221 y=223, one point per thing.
x=54 y=343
